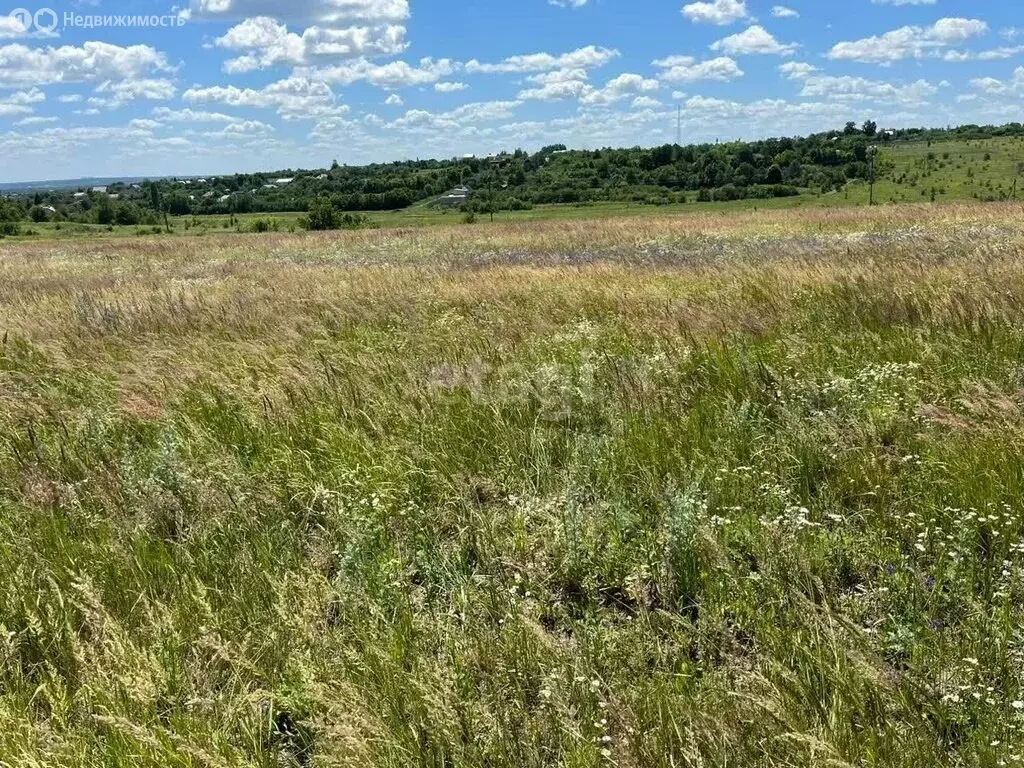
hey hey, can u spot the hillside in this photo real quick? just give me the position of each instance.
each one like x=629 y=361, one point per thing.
x=836 y=167
x=984 y=169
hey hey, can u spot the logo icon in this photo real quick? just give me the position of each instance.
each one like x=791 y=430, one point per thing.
x=24 y=18
x=44 y=20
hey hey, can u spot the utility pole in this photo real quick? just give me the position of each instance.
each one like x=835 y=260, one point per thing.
x=495 y=162
x=874 y=155
x=490 y=193
x=679 y=125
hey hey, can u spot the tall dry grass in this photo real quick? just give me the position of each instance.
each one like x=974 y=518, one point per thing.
x=699 y=491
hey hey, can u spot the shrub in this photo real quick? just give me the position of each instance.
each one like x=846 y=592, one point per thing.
x=322 y=216
x=265 y=225
x=356 y=221
x=127 y=215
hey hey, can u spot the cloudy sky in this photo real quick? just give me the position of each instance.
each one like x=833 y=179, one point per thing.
x=234 y=85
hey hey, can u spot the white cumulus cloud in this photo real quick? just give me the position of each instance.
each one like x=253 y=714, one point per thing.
x=393 y=74
x=991 y=86
x=330 y=13
x=624 y=86
x=590 y=57
x=450 y=87
x=797 y=70
x=92 y=62
x=720 y=12
x=686 y=69
x=755 y=39
x=909 y=42
x=266 y=43
x=168 y=115
x=851 y=88
x=295 y=98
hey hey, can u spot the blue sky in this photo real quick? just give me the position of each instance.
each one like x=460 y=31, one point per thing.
x=218 y=86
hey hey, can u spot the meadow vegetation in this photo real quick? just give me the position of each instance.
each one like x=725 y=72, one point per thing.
x=831 y=169
x=666 y=491
x=986 y=170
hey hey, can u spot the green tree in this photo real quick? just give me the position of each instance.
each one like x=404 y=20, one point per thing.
x=177 y=205
x=104 y=211
x=128 y=214
x=322 y=215
x=10 y=215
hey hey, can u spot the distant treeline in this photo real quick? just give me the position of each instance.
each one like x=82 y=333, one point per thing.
x=779 y=167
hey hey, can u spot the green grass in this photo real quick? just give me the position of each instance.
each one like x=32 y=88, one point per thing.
x=424 y=216
x=639 y=492
x=958 y=171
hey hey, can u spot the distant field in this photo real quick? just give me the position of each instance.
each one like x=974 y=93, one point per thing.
x=644 y=491
x=975 y=171
x=956 y=170
x=424 y=216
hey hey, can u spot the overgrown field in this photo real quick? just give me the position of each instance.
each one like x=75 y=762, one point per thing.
x=985 y=169
x=674 y=491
